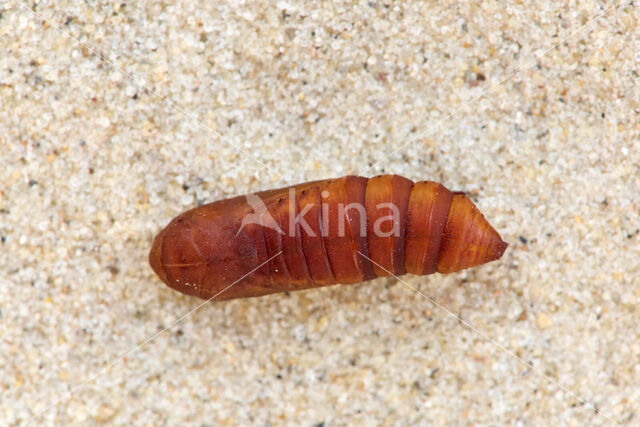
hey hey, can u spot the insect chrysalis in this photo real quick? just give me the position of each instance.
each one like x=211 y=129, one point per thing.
x=344 y=230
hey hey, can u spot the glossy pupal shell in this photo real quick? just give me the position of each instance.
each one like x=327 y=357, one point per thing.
x=346 y=230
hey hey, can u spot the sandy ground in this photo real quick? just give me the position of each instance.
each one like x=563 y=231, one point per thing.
x=115 y=117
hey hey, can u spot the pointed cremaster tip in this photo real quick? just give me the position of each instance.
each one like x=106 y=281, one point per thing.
x=468 y=239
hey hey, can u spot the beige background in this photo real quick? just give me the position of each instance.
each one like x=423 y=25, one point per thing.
x=530 y=108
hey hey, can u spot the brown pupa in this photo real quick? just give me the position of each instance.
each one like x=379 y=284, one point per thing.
x=343 y=230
